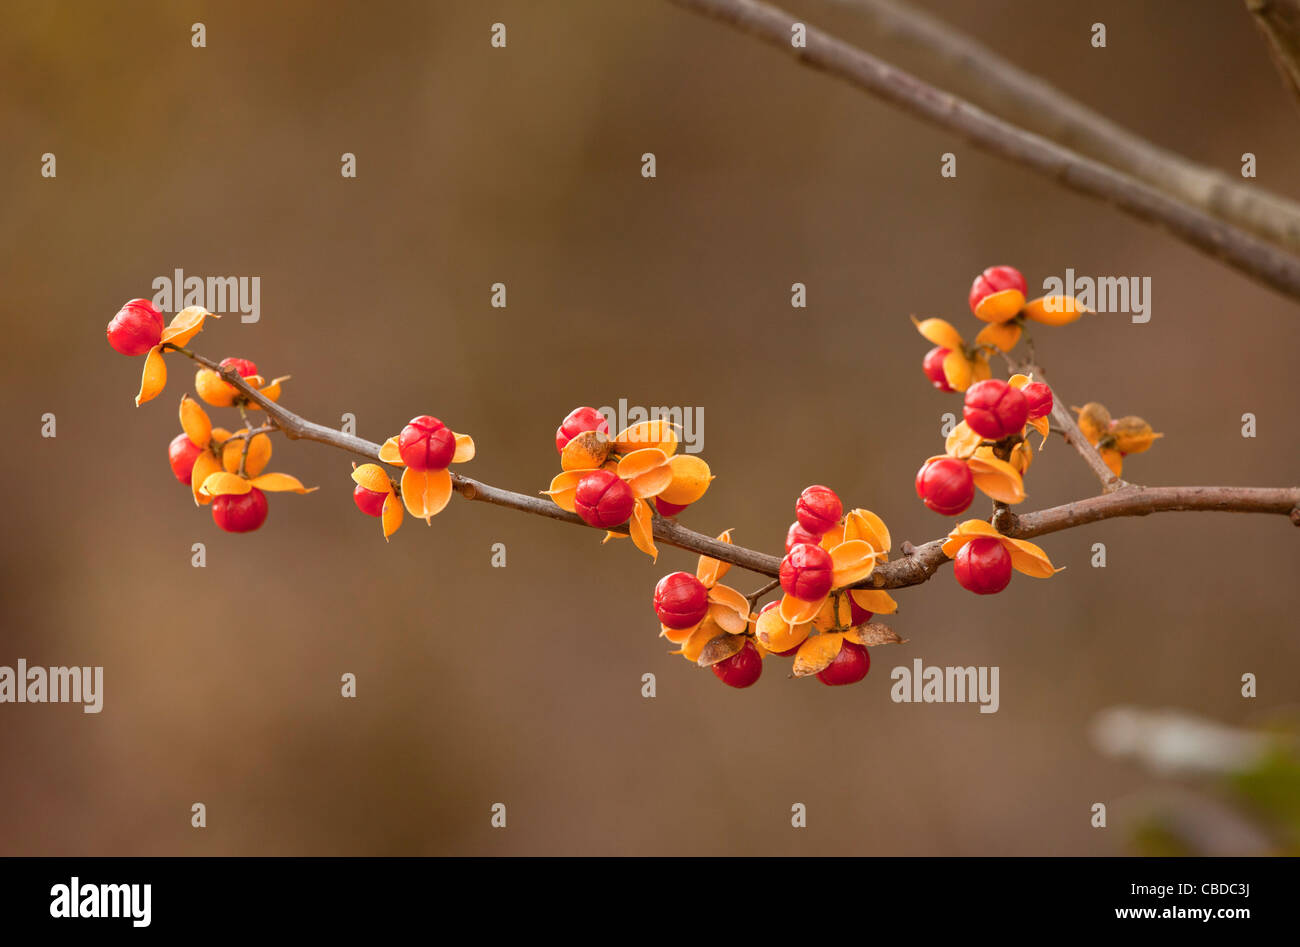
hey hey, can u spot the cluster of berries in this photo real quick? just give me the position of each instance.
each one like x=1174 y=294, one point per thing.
x=998 y=298
x=821 y=620
x=989 y=449
x=223 y=469
x=610 y=481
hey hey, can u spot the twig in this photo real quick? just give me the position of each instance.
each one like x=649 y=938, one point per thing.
x=1070 y=428
x=1239 y=249
x=1280 y=22
x=993 y=82
x=914 y=566
x=241 y=435
x=754 y=596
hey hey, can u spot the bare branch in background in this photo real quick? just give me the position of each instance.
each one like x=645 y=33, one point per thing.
x=1280 y=21
x=993 y=82
x=1239 y=249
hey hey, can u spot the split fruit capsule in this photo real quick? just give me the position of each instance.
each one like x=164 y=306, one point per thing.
x=741 y=669
x=850 y=666
x=789 y=652
x=994 y=409
x=369 y=502
x=681 y=601
x=806 y=572
x=796 y=534
x=603 y=500
x=181 y=454
x=240 y=512
x=136 y=328
x=998 y=294
x=1039 y=398
x=818 y=509
x=983 y=566
x=946 y=485
x=578 y=421
x=215 y=390
x=932 y=365
x=426 y=444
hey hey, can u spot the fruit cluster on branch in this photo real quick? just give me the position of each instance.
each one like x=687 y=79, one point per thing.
x=838 y=568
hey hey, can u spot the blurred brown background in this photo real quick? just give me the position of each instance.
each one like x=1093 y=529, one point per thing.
x=522 y=685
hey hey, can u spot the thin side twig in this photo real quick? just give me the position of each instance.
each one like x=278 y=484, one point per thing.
x=1069 y=428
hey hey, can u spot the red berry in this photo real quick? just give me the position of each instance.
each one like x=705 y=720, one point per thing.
x=369 y=502
x=669 y=509
x=857 y=614
x=426 y=444
x=994 y=409
x=946 y=485
x=742 y=668
x=136 y=328
x=983 y=566
x=681 y=600
x=797 y=534
x=818 y=509
x=1039 y=398
x=932 y=365
x=806 y=572
x=850 y=666
x=240 y=512
x=994 y=280
x=241 y=365
x=577 y=421
x=181 y=454
x=603 y=500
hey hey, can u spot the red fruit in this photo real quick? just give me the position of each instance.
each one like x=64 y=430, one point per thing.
x=850 y=666
x=946 y=485
x=181 y=454
x=136 y=328
x=1039 y=398
x=426 y=444
x=806 y=572
x=742 y=668
x=994 y=409
x=577 y=421
x=983 y=566
x=681 y=600
x=240 y=513
x=241 y=365
x=369 y=502
x=994 y=280
x=797 y=534
x=669 y=509
x=818 y=509
x=932 y=365
x=603 y=500
x=857 y=614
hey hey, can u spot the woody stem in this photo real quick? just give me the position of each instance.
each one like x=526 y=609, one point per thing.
x=916 y=564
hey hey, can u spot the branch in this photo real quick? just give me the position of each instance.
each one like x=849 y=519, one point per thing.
x=1280 y=22
x=916 y=564
x=997 y=84
x=1070 y=428
x=1239 y=249
x=1134 y=500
